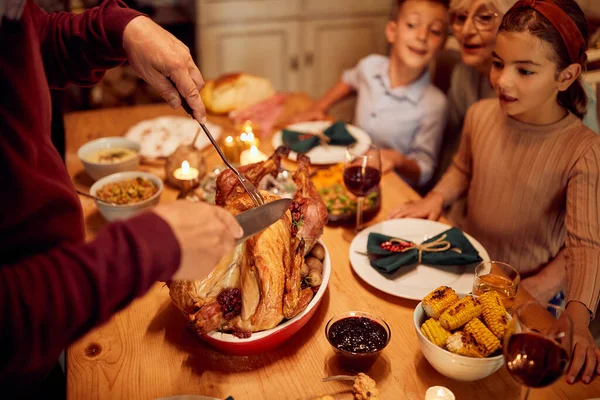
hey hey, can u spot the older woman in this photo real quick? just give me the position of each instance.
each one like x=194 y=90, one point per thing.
x=475 y=24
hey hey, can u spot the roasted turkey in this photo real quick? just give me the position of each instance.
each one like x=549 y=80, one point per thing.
x=259 y=284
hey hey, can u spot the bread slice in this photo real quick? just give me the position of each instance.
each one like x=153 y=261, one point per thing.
x=235 y=92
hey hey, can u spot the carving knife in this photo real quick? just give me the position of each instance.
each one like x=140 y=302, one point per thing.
x=260 y=218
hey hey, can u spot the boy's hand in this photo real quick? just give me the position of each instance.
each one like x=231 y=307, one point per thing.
x=430 y=207
x=312 y=114
x=205 y=234
x=390 y=159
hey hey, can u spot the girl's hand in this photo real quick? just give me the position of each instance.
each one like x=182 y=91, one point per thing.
x=312 y=114
x=586 y=355
x=549 y=280
x=430 y=207
x=536 y=289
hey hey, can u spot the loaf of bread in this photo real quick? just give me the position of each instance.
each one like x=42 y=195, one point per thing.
x=235 y=92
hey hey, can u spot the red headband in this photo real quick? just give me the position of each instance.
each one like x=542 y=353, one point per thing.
x=570 y=33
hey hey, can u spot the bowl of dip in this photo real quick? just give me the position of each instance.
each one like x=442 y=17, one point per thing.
x=125 y=194
x=109 y=155
x=357 y=338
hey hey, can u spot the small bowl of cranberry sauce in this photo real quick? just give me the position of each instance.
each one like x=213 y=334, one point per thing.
x=357 y=338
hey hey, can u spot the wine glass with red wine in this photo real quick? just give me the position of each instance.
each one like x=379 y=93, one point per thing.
x=537 y=346
x=362 y=173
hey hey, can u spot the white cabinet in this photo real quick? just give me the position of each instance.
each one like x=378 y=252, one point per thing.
x=229 y=11
x=267 y=49
x=299 y=45
x=347 y=7
x=332 y=45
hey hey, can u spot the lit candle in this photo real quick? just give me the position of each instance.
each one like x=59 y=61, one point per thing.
x=231 y=150
x=187 y=177
x=251 y=156
x=186 y=173
x=247 y=138
x=439 y=393
x=248 y=126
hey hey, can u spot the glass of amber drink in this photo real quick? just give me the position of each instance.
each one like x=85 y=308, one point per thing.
x=499 y=277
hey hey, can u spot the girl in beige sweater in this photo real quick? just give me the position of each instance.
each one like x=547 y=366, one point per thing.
x=529 y=167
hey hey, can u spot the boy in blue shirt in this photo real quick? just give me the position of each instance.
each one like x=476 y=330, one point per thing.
x=397 y=105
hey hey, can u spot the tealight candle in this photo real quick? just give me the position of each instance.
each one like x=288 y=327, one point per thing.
x=231 y=150
x=247 y=137
x=439 y=393
x=251 y=156
x=186 y=173
x=188 y=181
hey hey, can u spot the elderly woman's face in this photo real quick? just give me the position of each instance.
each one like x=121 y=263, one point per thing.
x=475 y=28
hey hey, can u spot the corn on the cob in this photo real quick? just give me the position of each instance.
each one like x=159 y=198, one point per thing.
x=483 y=336
x=461 y=313
x=436 y=302
x=494 y=313
x=434 y=332
x=464 y=344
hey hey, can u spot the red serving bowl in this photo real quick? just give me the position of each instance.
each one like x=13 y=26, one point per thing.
x=261 y=342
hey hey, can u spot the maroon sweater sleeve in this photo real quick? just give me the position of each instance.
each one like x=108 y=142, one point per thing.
x=78 y=48
x=49 y=300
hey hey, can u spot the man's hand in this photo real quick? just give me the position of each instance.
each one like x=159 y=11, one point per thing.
x=205 y=233
x=156 y=55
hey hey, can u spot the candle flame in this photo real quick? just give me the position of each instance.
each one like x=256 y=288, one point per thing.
x=229 y=139
x=250 y=136
x=254 y=150
x=248 y=126
x=185 y=167
x=243 y=137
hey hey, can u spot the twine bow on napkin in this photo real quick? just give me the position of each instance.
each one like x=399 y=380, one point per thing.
x=301 y=142
x=437 y=246
x=323 y=139
x=387 y=253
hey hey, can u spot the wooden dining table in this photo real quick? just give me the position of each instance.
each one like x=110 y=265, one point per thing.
x=145 y=351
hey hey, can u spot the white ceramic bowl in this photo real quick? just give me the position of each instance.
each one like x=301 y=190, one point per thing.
x=451 y=365
x=114 y=212
x=98 y=170
x=262 y=342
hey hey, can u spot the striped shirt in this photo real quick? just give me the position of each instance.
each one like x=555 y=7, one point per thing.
x=530 y=191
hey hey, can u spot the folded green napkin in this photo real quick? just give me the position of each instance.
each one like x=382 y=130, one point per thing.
x=458 y=250
x=302 y=142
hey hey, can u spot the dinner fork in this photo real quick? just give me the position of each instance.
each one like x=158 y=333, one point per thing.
x=252 y=191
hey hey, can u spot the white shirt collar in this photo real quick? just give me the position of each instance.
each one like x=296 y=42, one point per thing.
x=413 y=91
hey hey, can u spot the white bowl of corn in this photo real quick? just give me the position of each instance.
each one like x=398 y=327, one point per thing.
x=461 y=335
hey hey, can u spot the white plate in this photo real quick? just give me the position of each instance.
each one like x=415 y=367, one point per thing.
x=160 y=137
x=188 y=397
x=414 y=281
x=322 y=155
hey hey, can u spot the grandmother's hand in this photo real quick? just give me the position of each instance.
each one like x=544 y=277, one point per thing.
x=157 y=55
